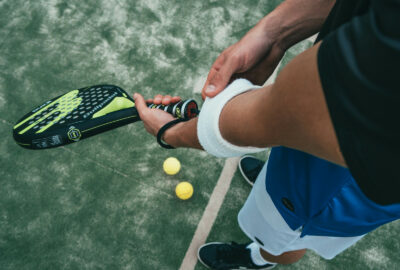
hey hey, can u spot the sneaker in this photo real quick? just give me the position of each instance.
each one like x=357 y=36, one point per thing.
x=225 y=256
x=250 y=168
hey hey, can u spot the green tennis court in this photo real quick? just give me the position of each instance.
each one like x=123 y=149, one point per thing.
x=105 y=203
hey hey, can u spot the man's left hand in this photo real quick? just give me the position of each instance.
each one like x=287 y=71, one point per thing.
x=154 y=119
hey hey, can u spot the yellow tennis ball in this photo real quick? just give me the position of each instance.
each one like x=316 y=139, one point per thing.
x=171 y=166
x=184 y=190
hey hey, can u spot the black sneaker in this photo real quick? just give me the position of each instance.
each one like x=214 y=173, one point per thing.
x=250 y=167
x=224 y=256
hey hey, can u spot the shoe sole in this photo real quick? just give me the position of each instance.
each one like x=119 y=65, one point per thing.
x=241 y=170
x=211 y=243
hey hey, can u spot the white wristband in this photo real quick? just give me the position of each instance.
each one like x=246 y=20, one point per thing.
x=208 y=131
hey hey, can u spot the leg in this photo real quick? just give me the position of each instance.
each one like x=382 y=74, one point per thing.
x=285 y=258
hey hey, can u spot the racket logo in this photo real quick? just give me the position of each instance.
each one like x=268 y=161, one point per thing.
x=74 y=134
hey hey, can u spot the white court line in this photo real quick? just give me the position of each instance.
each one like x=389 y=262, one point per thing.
x=210 y=213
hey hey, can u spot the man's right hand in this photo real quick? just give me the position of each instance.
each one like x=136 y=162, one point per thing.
x=258 y=53
x=254 y=57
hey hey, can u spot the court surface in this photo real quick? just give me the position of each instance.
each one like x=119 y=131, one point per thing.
x=105 y=203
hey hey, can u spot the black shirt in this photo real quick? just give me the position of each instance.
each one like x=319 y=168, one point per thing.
x=359 y=66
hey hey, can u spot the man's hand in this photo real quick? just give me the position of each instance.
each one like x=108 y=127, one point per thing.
x=154 y=119
x=180 y=135
x=258 y=53
x=254 y=57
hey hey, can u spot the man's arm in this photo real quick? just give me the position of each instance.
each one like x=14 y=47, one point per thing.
x=258 y=53
x=295 y=20
x=292 y=112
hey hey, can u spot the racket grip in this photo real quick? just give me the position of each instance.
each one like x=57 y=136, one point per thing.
x=184 y=109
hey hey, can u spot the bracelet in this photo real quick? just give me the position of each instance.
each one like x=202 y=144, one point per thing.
x=164 y=128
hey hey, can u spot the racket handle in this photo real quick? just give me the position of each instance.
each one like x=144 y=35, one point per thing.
x=185 y=109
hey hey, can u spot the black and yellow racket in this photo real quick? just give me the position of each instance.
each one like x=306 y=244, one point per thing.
x=85 y=112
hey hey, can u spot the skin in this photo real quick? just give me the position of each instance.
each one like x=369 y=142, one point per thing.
x=292 y=112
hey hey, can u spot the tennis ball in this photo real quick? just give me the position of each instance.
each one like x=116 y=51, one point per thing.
x=171 y=166
x=184 y=190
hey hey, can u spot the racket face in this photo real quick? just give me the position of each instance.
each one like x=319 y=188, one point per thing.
x=74 y=116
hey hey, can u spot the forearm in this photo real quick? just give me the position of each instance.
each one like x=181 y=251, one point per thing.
x=183 y=134
x=250 y=120
x=239 y=123
x=295 y=20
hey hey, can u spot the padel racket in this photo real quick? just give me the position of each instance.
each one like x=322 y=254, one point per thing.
x=85 y=112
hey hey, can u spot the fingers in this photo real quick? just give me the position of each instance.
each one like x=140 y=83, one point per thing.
x=217 y=82
x=210 y=75
x=164 y=100
x=175 y=99
x=213 y=70
x=220 y=75
x=220 y=80
x=140 y=104
x=157 y=99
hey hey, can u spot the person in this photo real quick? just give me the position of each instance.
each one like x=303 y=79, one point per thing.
x=331 y=118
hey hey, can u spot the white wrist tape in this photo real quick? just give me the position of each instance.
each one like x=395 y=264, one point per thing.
x=208 y=131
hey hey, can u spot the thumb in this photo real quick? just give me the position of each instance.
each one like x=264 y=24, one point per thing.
x=219 y=80
x=140 y=103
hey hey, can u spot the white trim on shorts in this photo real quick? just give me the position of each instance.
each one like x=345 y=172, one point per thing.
x=261 y=221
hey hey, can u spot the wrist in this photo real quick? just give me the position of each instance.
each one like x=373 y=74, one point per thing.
x=275 y=29
x=271 y=26
x=183 y=135
x=171 y=136
x=294 y=21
